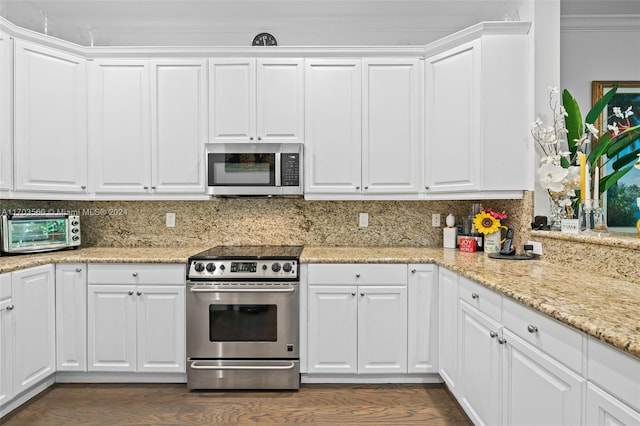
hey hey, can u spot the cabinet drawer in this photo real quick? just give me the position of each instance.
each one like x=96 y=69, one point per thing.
x=5 y=286
x=136 y=273
x=485 y=300
x=614 y=371
x=557 y=340
x=360 y=274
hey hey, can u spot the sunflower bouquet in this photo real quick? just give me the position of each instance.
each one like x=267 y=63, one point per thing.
x=489 y=221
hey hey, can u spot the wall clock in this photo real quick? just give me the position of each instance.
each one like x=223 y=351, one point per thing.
x=264 y=39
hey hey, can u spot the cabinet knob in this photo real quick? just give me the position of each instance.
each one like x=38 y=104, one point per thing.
x=358 y=188
x=131 y=293
x=353 y=293
x=78 y=269
x=502 y=340
x=145 y=187
x=10 y=308
x=475 y=295
x=362 y=294
x=259 y=138
x=139 y=293
x=250 y=138
x=413 y=271
x=493 y=334
x=83 y=187
x=357 y=275
x=532 y=328
x=366 y=187
x=426 y=187
x=135 y=274
x=153 y=187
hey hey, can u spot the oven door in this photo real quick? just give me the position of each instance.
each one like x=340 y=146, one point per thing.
x=243 y=320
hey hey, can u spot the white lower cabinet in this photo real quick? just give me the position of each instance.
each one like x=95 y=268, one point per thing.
x=357 y=319
x=134 y=325
x=422 y=324
x=71 y=317
x=6 y=339
x=604 y=409
x=33 y=294
x=448 y=328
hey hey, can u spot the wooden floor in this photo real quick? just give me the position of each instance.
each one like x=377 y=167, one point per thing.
x=173 y=404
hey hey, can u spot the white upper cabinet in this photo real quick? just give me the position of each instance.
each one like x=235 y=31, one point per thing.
x=453 y=117
x=333 y=116
x=392 y=125
x=148 y=126
x=50 y=120
x=254 y=100
x=6 y=123
x=178 y=125
x=120 y=124
x=477 y=106
x=363 y=127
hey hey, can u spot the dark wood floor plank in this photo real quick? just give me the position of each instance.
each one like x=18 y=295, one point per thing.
x=173 y=404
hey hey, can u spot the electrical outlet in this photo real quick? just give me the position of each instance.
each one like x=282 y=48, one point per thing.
x=537 y=247
x=363 y=220
x=170 y=220
x=435 y=220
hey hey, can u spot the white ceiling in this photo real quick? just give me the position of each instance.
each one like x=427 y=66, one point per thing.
x=293 y=22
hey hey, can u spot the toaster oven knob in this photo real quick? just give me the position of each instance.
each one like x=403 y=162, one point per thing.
x=74 y=223
x=286 y=267
x=222 y=267
x=275 y=267
x=211 y=267
x=75 y=230
x=75 y=238
x=199 y=267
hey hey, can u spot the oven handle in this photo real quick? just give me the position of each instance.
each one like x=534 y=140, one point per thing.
x=194 y=366
x=242 y=290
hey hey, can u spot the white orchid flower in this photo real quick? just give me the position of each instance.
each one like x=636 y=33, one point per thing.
x=592 y=129
x=553 y=89
x=551 y=177
x=613 y=128
x=565 y=154
x=563 y=111
x=565 y=202
x=573 y=178
x=628 y=112
x=617 y=111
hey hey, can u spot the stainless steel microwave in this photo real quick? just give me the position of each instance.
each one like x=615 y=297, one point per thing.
x=254 y=169
x=37 y=232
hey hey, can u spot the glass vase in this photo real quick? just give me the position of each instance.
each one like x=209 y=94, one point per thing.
x=556 y=214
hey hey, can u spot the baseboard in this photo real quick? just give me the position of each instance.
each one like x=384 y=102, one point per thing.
x=20 y=399
x=370 y=378
x=111 y=377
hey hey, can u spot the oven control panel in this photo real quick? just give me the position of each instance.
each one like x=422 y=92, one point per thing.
x=243 y=269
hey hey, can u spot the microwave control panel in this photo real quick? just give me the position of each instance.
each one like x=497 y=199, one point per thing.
x=290 y=169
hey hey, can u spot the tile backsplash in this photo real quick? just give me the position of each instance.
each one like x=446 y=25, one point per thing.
x=270 y=221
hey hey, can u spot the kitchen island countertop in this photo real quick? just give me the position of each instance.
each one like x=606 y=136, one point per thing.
x=603 y=307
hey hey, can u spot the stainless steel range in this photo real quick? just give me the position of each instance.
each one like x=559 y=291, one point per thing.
x=243 y=318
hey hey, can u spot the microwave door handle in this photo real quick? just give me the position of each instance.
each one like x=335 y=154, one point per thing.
x=278 y=172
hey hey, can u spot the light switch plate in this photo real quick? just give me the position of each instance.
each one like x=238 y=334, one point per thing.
x=363 y=220
x=170 y=220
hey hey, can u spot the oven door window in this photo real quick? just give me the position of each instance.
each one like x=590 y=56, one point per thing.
x=243 y=323
x=249 y=169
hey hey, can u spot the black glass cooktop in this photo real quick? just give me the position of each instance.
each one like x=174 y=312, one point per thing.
x=250 y=252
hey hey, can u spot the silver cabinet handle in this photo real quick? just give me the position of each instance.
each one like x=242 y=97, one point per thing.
x=145 y=187
x=358 y=188
x=366 y=187
x=532 y=328
x=139 y=293
x=362 y=294
x=83 y=187
x=493 y=334
x=357 y=275
x=250 y=138
x=413 y=271
x=426 y=187
x=130 y=293
x=475 y=295
x=502 y=340
x=153 y=187
x=135 y=274
x=78 y=269
x=353 y=293
x=259 y=138
x=10 y=308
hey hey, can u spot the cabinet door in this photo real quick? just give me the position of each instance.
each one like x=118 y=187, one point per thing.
x=6 y=123
x=480 y=354
x=161 y=328
x=536 y=389
x=280 y=100
x=382 y=329
x=333 y=329
x=453 y=105
x=111 y=323
x=178 y=125
x=602 y=409
x=7 y=348
x=33 y=292
x=232 y=100
x=392 y=125
x=50 y=120
x=422 y=300
x=120 y=144
x=333 y=127
x=71 y=317
x=448 y=328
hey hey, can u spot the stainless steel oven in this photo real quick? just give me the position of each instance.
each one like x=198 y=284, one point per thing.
x=243 y=318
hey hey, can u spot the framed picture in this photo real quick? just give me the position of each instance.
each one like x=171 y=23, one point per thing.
x=621 y=200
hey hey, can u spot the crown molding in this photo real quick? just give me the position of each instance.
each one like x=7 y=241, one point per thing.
x=596 y=23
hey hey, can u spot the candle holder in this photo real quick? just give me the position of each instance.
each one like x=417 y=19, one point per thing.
x=586 y=216
x=599 y=224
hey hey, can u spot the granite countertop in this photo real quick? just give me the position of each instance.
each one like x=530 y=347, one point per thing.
x=603 y=307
